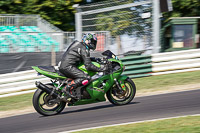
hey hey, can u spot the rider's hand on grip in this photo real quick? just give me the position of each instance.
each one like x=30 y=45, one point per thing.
x=95 y=59
x=98 y=60
x=104 y=60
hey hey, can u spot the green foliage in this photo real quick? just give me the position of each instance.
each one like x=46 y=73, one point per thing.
x=61 y=13
x=114 y=22
x=58 y=12
x=184 y=8
x=124 y=21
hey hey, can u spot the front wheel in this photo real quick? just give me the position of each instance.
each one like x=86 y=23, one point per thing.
x=121 y=98
x=45 y=104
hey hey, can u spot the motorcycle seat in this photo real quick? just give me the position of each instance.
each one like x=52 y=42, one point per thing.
x=48 y=68
x=51 y=69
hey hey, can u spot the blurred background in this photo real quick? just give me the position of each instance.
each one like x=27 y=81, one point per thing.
x=43 y=28
x=151 y=37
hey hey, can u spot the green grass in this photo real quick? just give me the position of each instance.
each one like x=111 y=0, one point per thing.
x=165 y=81
x=16 y=102
x=190 y=124
x=161 y=82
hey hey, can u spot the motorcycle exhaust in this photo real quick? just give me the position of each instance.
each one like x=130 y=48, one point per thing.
x=46 y=89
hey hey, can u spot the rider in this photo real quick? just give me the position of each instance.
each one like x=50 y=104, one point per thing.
x=76 y=53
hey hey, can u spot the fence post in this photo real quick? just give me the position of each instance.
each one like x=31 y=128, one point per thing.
x=53 y=56
x=156 y=26
x=17 y=21
x=78 y=21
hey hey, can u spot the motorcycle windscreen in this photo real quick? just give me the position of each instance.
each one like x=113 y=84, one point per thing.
x=109 y=54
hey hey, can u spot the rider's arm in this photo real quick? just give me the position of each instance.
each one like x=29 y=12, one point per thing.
x=87 y=62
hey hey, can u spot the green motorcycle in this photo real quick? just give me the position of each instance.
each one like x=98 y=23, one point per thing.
x=119 y=89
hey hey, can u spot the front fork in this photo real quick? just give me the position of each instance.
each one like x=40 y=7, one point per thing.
x=120 y=84
x=121 y=80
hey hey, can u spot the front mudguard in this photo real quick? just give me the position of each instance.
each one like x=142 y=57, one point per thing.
x=121 y=80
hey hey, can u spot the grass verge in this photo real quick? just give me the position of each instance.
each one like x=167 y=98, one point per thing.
x=147 y=84
x=164 y=82
x=16 y=102
x=190 y=124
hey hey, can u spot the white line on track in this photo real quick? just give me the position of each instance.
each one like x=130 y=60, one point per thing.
x=127 y=123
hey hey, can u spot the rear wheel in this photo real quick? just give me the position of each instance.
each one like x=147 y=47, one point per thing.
x=116 y=97
x=45 y=104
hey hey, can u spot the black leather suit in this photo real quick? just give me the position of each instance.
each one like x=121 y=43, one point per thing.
x=75 y=54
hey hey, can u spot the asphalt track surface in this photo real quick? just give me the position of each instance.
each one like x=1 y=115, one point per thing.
x=85 y=116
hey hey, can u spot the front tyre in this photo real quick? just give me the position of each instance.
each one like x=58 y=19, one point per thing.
x=45 y=104
x=121 y=98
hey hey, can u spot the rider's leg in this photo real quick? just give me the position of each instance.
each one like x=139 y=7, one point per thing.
x=73 y=84
x=78 y=76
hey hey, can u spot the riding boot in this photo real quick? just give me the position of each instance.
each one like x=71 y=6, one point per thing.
x=73 y=84
x=68 y=89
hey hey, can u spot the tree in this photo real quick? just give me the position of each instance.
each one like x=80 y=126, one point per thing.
x=183 y=8
x=126 y=21
x=58 y=12
x=115 y=22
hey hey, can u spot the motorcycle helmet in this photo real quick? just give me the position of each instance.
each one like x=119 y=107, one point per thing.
x=92 y=40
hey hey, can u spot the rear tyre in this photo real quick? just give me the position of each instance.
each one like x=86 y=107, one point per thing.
x=45 y=104
x=118 y=98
